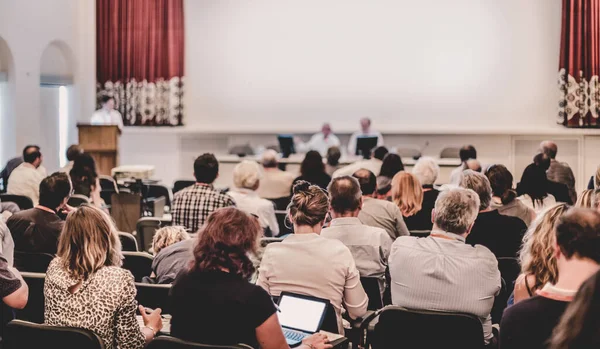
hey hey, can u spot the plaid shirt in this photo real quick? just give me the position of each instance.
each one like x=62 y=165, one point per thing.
x=192 y=205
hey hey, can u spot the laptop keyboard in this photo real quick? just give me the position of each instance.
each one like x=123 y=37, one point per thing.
x=294 y=335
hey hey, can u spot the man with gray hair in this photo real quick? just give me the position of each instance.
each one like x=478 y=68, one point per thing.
x=421 y=268
x=502 y=234
x=370 y=246
x=559 y=172
x=427 y=171
x=275 y=183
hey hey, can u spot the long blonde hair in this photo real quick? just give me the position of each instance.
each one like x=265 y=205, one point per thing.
x=585 y=199
x=537 y=253
x=407 y=193
x=167 y=236
x=88 y=242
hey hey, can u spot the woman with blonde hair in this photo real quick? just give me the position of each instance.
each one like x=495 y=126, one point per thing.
x=538 y=265
x=167 y=236
x=407 y=194
x=585 y=199
x=86 y=287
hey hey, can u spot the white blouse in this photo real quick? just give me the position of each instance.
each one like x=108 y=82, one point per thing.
x=547 y=202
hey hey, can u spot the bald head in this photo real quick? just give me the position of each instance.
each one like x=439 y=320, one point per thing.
x=549 y=148
x=367 y=181
x=474 y=164
x=345 y=195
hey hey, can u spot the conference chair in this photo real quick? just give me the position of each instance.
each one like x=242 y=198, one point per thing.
x=420 y=233
x=371 y=287
x=168 y=342
x=401 y=327
x=182 y=184
x=145 y=229
x=241 y=150
x=77 y=200
x=32 y=261
x=34 y=310
x=108 y=183
x=408 y=151
x=285 y=226
x=158 y=190
x=153 y=296
x=450 y=153
x=128 y=242
x=138 y=263
x=500 y=302
x=27 y=335
x=509 y=269
x=23 y=202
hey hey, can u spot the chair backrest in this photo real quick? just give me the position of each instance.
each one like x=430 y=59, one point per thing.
x=168 y=342
x=145 y=229
x=450 y=153
x=153 y=296
x=500 y=302
x=27 y=335
x=158 y=190
x=285 y=227
x=108 y=183
x=266 y=241
x=128 y=242
x=420 y=233
x=371 y=287
x=32 y=261
x=138 y=263
x=408 y=151
x=23 y=202
x=509 y=269
x=400 y=327
x=77 y=200
x=34 y=310
x=182 y=184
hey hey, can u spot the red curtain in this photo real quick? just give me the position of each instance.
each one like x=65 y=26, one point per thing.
x=579 y=104
x=139 y=59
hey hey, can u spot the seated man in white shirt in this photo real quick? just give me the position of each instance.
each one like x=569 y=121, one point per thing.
x=26 y=178
x=379 y=213
x=275 y=183
x=107 y=115
x=443 y=273
x=365 y=131
x=370 y=246
x=320 y=141
x=373 y=164
x=246 y=178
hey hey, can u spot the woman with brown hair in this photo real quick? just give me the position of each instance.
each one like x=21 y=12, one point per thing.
x=86 y=287
x=504 y=198
x=309 y=264
x=213 y=302
x=538 y=264
x=407 y=194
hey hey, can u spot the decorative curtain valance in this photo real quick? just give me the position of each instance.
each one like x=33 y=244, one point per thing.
x=139 y=59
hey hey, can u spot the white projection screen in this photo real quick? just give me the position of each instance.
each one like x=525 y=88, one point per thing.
x=279 y=65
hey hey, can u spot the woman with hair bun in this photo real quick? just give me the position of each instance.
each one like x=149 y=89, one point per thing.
x=309 y=264
x=504 y=196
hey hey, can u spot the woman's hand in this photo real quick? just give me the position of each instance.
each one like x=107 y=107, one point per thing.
x=152 y=320
x=317 y=341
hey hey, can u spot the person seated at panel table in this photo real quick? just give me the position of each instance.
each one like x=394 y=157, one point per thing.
x=213 y=303
x=25 y=179
x=312 y=170
x=320 y=141
x=373 y=164
x=365 y=131
x=274 y=183
x=246 y=179
x=107 y=115
x=192 y=205
x=38 y=229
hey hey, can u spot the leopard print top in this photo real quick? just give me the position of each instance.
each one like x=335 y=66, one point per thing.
x=105 y=304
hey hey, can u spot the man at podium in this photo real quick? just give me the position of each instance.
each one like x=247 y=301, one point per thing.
x=107 y=115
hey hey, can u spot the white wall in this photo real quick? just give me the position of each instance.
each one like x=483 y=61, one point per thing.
x=290 y=65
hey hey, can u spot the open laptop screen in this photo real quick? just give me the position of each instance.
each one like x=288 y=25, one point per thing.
x=301 y=313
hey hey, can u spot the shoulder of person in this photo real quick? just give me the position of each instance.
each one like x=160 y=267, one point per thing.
x=116 y=275
x=484 y=253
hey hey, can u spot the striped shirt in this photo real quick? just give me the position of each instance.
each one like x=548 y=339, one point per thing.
x=442 y=273
x=193 y=205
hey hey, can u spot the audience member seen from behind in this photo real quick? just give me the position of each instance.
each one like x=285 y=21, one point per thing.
x=373 y=164
x=233 y=310
x=392 y=164
x=529 y=323
x=501 y=234
x=303 y=262
x=465 y=153
x=538 y=265
x=192 y=206
x=13 y=290
x=15 y=162
x=585 y=199
x=172 y=248
x=38 y=229
x=312 y=170
x=87 y=288
x=427 y=171
x=504 y=197
x=559 y=172
x=560 y=191
x=86 y=180
x=275 y=183
x=533 y=189
x=246 y=179
x=378 y=213
x=369 y=245
x=579 y=326
x=407 y=194
x=333 y=160
x=443 y=273
x=73 y=151
x=26 y=178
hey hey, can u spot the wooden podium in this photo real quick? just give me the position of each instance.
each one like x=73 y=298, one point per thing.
x=102 y=143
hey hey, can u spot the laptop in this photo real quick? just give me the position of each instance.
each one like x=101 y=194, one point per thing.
x=300 y=316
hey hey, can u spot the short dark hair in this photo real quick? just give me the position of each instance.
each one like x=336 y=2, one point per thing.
x=392 y=164
x=54 y=189
x=206 y=168
x=333 y=156
x=367 y=181
x=105 y=98
x=73 y=151
x=467 y=152
x=344 y=194
x=31 y=153
x=578 y=234
x=380 y=152
x=542 y=160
